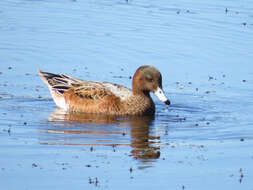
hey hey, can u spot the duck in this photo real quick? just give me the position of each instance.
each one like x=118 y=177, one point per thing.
x=94 y=97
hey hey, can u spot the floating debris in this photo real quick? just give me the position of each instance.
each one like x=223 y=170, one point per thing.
x=209 y=91
x=34 y=165
x=120 y=77
x=9 y=131
x=241 y=175
x=94 y=181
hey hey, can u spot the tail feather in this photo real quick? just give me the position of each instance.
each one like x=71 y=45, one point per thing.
x=59 y=83
x=47 y=76
x=60 y=88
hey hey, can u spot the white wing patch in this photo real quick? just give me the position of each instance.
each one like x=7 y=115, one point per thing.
x=119 y=90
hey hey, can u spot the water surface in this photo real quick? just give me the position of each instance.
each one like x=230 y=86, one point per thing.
x=202 y=141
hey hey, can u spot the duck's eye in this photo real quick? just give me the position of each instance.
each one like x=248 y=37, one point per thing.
x=149 y=78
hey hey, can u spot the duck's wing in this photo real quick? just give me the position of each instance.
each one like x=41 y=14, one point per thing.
x=95 y=97
x=98 y=90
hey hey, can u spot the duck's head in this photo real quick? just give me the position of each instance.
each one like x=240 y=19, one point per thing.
x=148 y=79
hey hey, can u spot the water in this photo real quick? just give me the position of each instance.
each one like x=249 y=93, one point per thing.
x=202 y=141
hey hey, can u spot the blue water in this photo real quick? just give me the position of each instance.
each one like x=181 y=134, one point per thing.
x=204 y=52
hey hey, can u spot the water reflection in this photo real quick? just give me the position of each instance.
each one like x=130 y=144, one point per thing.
x=103 y=130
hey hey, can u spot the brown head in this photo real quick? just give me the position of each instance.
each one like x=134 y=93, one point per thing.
x=149 y=79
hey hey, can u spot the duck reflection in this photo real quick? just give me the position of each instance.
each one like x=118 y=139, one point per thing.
x=143 y=143
x=105 y=130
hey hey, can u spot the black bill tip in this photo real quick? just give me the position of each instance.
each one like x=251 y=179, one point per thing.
x=167 y=102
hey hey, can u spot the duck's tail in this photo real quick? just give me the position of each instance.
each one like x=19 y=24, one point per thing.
x=57 y=85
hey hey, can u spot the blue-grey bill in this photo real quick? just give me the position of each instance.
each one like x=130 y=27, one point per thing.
x=161 y=96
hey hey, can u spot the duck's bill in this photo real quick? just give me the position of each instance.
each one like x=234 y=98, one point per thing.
x=161 y=96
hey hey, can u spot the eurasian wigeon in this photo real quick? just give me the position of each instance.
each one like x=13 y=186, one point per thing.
x=78 y=95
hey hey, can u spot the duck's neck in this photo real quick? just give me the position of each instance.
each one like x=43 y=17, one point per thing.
x=141 y=103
